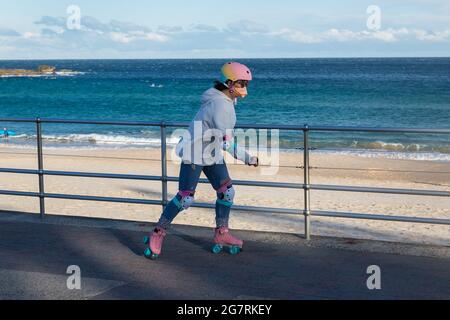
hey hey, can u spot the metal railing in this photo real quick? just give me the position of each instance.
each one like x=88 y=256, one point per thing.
x=306 y=186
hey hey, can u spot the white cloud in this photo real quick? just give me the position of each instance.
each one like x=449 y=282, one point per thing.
x=128 y=39
x=439 y=36
x=92 y=24
x=135 y=36
x=120 y=26
x=295 y=36
x=341 y=35
x=344 y=35
x=385 y=36
x=348 y=35
x=170 y=29
x=152 y=36
x=204 y=28
x=106 y=34
x=120 y=37
x=52 y=21
x=247 y=27
x=31 y=35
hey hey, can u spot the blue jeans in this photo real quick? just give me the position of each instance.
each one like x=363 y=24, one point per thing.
x=219 y=178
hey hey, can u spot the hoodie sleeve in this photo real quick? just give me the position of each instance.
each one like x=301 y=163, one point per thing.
x=224 y=119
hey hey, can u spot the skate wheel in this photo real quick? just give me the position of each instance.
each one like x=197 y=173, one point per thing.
x=234 y=250
x=154 y=256
x=146 y=240
x=148 y=253
x=217 y=248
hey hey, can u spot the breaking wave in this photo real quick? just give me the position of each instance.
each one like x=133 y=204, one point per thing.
x=151 y=139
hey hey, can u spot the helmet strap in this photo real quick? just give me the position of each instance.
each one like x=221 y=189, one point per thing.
x=230 y=89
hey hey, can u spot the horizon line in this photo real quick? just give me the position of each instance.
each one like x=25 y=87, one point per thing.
x=272 y=58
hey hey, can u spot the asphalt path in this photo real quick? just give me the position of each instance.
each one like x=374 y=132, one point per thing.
x=36 y=256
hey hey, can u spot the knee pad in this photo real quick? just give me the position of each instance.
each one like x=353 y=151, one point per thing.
x=187 y=199
x=226 y=193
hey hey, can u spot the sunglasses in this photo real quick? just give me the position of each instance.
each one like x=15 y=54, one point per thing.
x=243 y=83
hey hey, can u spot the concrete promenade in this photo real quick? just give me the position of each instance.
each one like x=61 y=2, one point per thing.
x=35 y=255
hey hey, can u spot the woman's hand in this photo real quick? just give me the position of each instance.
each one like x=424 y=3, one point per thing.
x=254 y=161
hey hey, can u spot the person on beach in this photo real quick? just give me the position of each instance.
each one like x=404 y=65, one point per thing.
x=217 y=116
x=5 y=133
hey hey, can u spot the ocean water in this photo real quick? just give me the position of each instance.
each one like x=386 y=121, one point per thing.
x=394 y=92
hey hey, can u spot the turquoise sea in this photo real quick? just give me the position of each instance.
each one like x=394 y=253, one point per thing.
x=391 y=92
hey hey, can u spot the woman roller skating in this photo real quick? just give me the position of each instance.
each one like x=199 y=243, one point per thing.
x=215 y=120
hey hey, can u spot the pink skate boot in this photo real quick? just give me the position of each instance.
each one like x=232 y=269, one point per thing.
x=223 y=238
x=154 y=243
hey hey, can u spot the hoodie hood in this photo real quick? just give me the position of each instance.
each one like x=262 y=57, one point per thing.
x=213 y=94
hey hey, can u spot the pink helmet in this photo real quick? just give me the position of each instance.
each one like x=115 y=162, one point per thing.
x=235 y=71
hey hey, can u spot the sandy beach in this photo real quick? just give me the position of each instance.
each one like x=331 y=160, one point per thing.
x=328 y=169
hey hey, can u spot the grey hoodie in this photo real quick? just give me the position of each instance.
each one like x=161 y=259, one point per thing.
x=214 y=121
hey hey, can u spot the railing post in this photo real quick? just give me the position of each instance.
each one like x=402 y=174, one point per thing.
x=307 y=187
x=40 y=167
x=164 y=164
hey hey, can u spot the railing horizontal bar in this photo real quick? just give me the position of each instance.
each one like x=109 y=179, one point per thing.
x=84 y=174
x=253 y=183
x=102 y=199
x=242 y=126
x=268 y=210
x=102 y=175
x=268 y=126
x=17 y=120
x=19 y=193
x=268 y=184
x=104 y=122
x=379 y=217
x=378 y=170
x=331 y=188
x=21 y=171
x=381 y=130
x=238 y=182
x=251 y=209
x=238 y=208
x=382 y=190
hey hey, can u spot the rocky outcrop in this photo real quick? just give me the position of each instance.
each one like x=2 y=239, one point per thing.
x=46 y=69
x=41 y=70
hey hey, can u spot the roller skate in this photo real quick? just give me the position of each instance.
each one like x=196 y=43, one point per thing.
x=154 y=243
x=223 y=239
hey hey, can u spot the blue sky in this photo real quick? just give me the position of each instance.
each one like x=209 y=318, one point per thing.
x=214 y=29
